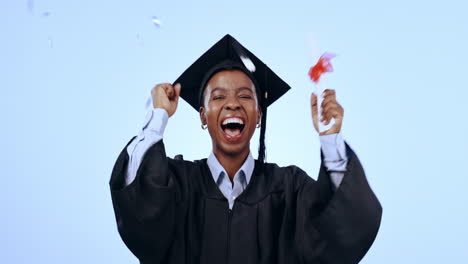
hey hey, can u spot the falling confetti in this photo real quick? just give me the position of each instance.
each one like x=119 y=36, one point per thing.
x=50 y=41
x=139 y=39
x=148 y=102
x=323 y=65
x=248 y=63
x=244 y=58
x=31 y=6
x=156 y=21
x=44 y=15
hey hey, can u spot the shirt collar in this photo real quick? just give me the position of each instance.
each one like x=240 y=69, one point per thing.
x=216 y=168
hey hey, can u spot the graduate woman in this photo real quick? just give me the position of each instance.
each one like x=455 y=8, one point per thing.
x=230 y=208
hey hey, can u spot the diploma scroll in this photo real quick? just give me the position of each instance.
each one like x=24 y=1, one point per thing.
x=316 y=74
x=320 y=87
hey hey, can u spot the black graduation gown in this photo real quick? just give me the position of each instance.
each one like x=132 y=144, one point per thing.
x=174 y=213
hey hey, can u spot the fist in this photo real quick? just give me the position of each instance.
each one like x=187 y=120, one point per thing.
x=166 y=96
x=330 y=109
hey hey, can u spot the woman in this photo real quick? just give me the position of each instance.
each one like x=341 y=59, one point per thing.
x=231 y=208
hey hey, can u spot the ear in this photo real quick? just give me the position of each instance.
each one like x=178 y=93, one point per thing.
x=202 y=115
x=259 y=115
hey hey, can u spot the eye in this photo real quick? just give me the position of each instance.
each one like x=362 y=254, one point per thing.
x=218 y=97
x=245 y=96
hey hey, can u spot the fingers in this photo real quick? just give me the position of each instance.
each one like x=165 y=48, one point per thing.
x=177 y=88
x=313 y=103
x=313 y=99
x=171 y=92
x=160 y=88
x=336 y=113
x=329 y=92
x=329 y=96
x=332 y=110
x=330 y=107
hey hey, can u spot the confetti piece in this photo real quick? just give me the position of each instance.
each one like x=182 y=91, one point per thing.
x=248 y=63
x=244 y=58
x=46 y=14
x=156 y=21
x=148 y=102
x=323 y=65
x=31 y=6
x=139 y=40
x=50 y=41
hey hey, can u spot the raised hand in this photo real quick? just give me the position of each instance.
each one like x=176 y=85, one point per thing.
x=330 y=109
x=166 y=96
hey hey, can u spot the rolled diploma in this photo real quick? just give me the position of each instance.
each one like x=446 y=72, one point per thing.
x=320 y=87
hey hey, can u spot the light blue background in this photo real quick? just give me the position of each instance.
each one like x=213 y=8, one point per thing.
x=74 y=85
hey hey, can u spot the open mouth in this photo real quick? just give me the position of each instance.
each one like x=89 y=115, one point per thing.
x=232 y=128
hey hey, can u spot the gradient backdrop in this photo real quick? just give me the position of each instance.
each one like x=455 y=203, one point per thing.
x=75 y=76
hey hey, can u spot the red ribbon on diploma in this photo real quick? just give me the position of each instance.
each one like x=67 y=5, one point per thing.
x=323 y=65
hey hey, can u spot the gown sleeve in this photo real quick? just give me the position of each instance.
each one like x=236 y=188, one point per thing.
x=340 y=226
x=146 y=209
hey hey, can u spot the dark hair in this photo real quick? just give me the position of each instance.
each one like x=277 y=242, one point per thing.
x=264 y=105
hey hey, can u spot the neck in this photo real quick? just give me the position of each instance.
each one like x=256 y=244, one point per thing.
x=231 y=163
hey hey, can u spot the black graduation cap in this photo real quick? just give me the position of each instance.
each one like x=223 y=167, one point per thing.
x=229 y=54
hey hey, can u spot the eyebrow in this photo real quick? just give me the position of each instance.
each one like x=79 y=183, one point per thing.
x=237 y=89
x=244 y=88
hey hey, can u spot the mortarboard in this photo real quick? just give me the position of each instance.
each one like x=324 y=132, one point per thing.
x=228 y=54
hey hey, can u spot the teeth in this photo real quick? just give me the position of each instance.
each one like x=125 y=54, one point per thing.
x=233 y=120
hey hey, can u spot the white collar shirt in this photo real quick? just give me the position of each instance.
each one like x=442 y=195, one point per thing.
x=240 y=181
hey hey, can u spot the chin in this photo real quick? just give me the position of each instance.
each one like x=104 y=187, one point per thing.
x=233 y=149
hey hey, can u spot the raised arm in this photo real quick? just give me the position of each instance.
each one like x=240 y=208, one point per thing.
x=143 y=186
x=341 y=214
x=331 y=141
x=165 y=99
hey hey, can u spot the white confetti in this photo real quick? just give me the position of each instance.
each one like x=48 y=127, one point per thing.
x=31 y=6
x=149 y=101
x=51 y=44
x=139 y=39
x=248 y=63
x=156 y=21
x=243 y=56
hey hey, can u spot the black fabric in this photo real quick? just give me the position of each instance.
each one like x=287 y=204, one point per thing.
x=173 y=212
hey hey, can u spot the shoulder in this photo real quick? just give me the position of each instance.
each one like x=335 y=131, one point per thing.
x=290 y=175
x=284 y=171
x=178 y=164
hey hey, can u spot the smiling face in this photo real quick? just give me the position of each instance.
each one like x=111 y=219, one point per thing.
x=231 y=111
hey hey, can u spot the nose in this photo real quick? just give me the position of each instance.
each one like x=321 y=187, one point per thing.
x=232 y=104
